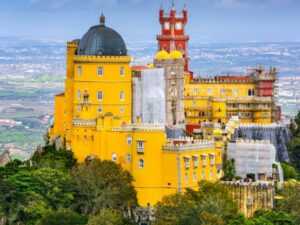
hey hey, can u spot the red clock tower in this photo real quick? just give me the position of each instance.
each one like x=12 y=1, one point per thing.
x=173 y=33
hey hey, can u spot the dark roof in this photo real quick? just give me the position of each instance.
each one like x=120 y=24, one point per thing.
x=102 y=41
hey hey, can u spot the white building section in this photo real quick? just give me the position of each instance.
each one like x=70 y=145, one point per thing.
x=256 y=157
x=149 y=96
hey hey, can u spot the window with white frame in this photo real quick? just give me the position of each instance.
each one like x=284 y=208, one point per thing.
x=187 y=161
x=180 y=48
x=212 y=159
x=222 y=91
x=195 y=177
x=211 y=175
x=209 y=91
x=79 y=70
x=99 y=109
x=114 y=157
x=100 y=95
x=196 y=161
x=194 y=103
x=195 y=91
x=122 y=71
x=78 y=94
x=186 y=178
x=203 y=176
x=128 y=157
x=122 y=109
x=141 y=163
x=129 y=139
x=172 y=45
x=100 y=71
x=140 y=146
x=79 y=108
x=122 y=95
x=203 y=158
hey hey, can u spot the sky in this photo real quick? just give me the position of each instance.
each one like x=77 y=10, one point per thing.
x=210 y=21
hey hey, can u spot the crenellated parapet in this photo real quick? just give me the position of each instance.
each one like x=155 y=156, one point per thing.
x=84 y=59
x=251 y=141
x=251 y=126
x=187 y=144
x=147 y=127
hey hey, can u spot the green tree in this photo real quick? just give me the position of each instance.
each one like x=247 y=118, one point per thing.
x=290 y=202
x=103 y=185
x=210 y=204
x=229 y=170
x=27 y=195
x=289 y=171
x=107 y=217
x=62 y=217
x=48 y=156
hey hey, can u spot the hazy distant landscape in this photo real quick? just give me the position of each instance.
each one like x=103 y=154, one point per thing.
x=33 y=71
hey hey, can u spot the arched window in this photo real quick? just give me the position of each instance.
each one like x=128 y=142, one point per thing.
x=114 y=157
x=79 y=70
x=122 y=95
x=78 y=94
x=122 y=71
x=128 y=157
x=186 y=178
x=100 y=95
x=195 y=177
x=100 y=71
x=141 y=163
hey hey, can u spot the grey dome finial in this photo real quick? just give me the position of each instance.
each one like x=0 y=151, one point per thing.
x=102 y=20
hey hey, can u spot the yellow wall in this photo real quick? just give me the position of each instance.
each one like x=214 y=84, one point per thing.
x=209 y=102
x=58 y=126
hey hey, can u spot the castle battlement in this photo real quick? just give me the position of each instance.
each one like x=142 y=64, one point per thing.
x=187 y=143
x=257 y=184
x=251 y=141
x=259 y=126
x=101 y=59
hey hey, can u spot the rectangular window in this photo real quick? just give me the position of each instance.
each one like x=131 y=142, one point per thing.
x=212 y=160
x=194 y=103
x=122 y=71
x=209 y=91
x=79 y=70
x=187 y=162
x=99 y=109
x=128 y=157
x=180 y=48
x=122 y=95
x=203 y=157
x=196 y=162
x=186 y=178
x=79 y=109
x=122 y=109
x=100 y=95
x=129 y=139
x=140 y=146
x=203 y=175
x=100 y=71
x=78 y=94
x=172 y=46
x=222 y=91
x=211 y=175
x=195 y=91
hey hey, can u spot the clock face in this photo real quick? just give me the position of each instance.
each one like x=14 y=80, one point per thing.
x=178 y=26
x=167 y=26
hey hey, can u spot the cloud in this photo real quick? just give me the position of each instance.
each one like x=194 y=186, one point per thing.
x=247 y=4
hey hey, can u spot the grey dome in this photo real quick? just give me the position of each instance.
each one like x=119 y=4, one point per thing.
x=102 y=41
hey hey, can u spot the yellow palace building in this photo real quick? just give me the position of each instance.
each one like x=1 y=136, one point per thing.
x=137 y=117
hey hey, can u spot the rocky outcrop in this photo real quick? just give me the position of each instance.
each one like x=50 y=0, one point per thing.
x=5 y=158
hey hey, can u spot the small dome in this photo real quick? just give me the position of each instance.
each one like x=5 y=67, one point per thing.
x=176 y=55
x=151 y=66
x=102 y=41
x=162 y=55
x=218 y=132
